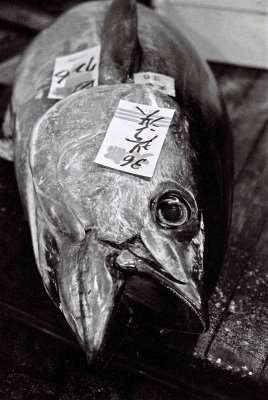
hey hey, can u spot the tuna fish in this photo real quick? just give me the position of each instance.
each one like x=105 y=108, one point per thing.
x=105 y=240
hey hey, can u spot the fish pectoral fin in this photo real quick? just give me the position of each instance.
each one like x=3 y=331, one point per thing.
x=7 y=148
x=120 y=46
x=6 y=139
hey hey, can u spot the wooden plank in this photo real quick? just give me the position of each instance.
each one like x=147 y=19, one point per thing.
x=265 y=370
x=251 y=192
x=244 y=143
x=248 y=116
x=254 y=6
x=222 y=35
x=241 y=342
x=236 y=83
x=243 y=283
x=242 y=89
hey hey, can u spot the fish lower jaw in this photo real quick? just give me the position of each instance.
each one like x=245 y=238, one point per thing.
x=172 y=286
x=194 y=310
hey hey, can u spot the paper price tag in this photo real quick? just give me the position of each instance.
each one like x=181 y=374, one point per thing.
x=163 y=83
x=74 y=72
x=135 y=137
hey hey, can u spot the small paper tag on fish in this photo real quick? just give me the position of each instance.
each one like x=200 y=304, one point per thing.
x=135 y=137
x=74 y=72
x=163 y=83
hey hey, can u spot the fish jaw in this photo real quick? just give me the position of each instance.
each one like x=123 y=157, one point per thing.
x=155 y=266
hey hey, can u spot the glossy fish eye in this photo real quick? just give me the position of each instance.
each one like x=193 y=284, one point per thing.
x=172 y=210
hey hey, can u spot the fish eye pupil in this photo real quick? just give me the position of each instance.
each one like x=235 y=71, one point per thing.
x=172 y=211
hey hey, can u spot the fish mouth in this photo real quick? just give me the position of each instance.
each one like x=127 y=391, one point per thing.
x=162 y=306
x=150 y=297
x=163 y=300
x=110 y=291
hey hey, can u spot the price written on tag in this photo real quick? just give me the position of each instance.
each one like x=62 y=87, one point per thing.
x=135 y=137
x=75 y=72
x=163 y=83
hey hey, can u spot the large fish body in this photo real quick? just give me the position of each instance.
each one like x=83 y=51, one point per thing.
x=102 y=237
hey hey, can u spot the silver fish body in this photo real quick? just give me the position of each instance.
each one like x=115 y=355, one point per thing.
x=102 y=237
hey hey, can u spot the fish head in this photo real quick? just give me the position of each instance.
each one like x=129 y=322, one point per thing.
x=105 y=238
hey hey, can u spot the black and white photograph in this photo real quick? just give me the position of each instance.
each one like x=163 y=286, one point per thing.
x=134 y=200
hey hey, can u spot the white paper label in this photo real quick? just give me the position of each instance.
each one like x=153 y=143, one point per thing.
x=163 y=83
x=74 y=72
x=134 y=138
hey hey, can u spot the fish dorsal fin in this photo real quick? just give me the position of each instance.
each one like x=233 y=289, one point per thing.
x=119 y=45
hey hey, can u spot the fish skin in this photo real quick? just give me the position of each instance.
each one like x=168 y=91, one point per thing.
x=66 y=202
x=85 y=188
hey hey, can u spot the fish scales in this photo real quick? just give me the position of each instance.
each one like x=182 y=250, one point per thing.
x=108 y=243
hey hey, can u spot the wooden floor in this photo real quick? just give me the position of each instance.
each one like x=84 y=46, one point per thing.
x=38 y=356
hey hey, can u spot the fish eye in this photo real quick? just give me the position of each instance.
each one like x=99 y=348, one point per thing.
x=172 y=210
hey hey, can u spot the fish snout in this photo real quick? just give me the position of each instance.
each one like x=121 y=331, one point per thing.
x=88 y=289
